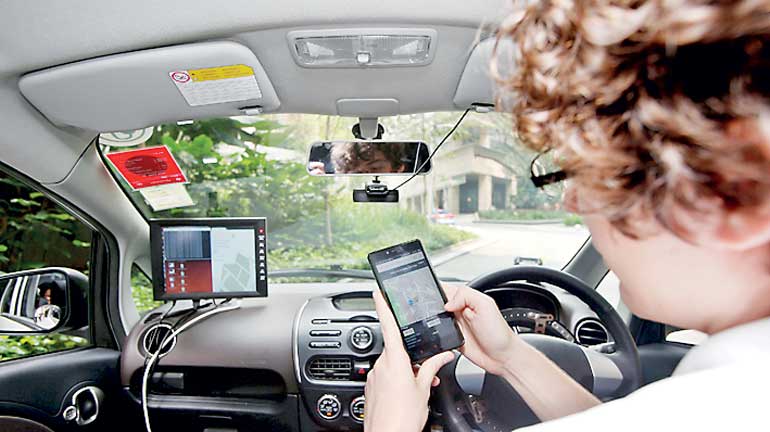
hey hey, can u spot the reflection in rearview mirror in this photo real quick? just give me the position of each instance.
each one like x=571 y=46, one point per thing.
x=368 y=158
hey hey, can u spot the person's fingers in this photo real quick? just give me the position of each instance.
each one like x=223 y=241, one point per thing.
x=459 y=300
x=429 y=368
x=369 y=388
x=469 y=298
x=390 y=332
x=450 y=289
x=436 y=381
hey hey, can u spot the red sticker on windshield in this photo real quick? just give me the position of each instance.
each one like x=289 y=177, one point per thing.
x=152 y=166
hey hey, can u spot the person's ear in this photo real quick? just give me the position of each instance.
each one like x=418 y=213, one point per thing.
x=743 y=229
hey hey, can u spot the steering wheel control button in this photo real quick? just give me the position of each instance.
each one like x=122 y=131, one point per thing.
x=361 y=338
x=328 y=407
x=325 y=345
x=357 y=406
x=325 y=333
x=361 y=369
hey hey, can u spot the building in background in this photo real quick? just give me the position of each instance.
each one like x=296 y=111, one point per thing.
x=473 y=174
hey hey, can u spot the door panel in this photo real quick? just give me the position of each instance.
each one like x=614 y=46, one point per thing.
x=40 y=388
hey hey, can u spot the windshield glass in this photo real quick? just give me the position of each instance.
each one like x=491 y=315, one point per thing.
x=475 y=212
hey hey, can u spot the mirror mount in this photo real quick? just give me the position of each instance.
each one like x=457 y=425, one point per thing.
x=376 y=191
x=368 y=128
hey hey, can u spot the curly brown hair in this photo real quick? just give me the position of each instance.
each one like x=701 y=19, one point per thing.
x=651 y=107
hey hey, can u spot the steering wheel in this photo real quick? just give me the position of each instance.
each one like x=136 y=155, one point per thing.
x=470 y=399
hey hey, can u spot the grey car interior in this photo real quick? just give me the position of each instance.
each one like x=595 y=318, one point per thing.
x=96 y=67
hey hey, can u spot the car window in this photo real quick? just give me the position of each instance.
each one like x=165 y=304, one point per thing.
x=475 y=212
x=141 y=291
x=609 y=288
x=685 y=336
x=35 y=232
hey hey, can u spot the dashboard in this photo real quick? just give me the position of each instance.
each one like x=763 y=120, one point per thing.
x=298 y=360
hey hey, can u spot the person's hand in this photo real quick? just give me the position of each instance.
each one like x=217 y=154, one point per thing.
x=316 y=168
x=489 y=341
x=396 y=395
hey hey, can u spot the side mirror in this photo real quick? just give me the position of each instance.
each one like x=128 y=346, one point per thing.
x=43 y=301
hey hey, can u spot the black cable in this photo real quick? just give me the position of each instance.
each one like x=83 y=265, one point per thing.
x=190 y=313
x=156 y=335
x=446 y=137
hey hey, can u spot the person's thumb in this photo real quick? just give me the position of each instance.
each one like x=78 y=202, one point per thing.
x=430 y=368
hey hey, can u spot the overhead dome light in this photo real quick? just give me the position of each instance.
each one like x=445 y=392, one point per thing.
x=354 y=48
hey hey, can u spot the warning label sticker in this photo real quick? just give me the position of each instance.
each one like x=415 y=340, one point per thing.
x=216 y=85
x=146 y=167
x=167 y=196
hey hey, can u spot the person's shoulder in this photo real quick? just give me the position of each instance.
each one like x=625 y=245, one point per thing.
x=726 y=397
x=737 y=345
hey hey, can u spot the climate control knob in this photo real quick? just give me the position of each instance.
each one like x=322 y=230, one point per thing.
x=362 y=338
x=328 y=407
x=357 y=406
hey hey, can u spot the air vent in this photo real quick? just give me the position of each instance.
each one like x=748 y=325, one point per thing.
x=591 y=332
x=154 y=337
x=330 y=368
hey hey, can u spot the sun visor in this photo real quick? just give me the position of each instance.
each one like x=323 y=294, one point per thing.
x=144 y=88
x=476 y=82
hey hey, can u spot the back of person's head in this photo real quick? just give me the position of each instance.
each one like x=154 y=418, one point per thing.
x=653 y=108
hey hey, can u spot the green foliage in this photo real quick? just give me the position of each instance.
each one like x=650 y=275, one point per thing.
x=530 y=197
x=141 y=291
x=359 y=229
x=12 y=347
x=572 y=219
x=525 y=215
x=568 y=219
x=36 y=232
x=237 y=180
x=312 y=224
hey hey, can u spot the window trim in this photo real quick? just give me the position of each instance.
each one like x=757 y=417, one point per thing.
x=102 y=305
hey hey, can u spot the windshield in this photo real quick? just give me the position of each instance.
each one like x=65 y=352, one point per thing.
x=475 y=212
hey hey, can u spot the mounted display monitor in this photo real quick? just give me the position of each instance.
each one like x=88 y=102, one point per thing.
x=209 y=258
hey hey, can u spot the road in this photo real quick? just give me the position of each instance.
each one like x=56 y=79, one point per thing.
x=498 y=244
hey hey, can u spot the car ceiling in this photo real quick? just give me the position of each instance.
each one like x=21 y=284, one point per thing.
x=68 y=33
x=36 y=36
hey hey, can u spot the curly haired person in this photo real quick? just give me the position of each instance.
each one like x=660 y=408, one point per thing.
x=658 y=113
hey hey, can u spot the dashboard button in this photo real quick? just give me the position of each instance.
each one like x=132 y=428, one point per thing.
x=361 y=369
x=325 y=344
x=357 y=407
x=325 y=332
x=328 y=407
x=361 y=338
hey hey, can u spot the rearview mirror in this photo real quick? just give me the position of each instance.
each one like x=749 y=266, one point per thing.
x=373 y=157
x=42 y=301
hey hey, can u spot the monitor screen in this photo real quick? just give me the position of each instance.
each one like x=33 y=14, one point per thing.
x=209 y=258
